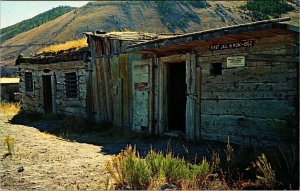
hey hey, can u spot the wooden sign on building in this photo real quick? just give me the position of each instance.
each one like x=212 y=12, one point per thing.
x=230 y=45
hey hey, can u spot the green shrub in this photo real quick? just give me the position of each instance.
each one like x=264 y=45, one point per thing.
x=129 y=170
x=137 y=172
x=267 y=9
x=156 y=162
x=200 y=170
x=174 y=168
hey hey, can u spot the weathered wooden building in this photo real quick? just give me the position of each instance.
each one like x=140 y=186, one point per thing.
x=9 y=87
x=240 y=82
x=54 y=82
x=109 y=75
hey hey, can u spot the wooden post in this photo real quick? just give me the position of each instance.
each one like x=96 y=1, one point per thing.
x=53 y=91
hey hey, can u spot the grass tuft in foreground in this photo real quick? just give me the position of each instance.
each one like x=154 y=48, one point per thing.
x=158 y=170
x=9 y=141
x=130 y=171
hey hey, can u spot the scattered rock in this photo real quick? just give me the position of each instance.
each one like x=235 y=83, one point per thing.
x=20 y=169
x=6 y=155
x=167 y=186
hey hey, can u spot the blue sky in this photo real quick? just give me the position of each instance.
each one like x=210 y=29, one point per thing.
x=13 y=12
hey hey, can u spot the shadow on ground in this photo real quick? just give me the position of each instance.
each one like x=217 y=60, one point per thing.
x=114 y=139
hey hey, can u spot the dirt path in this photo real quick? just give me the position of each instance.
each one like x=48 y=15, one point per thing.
x=49 y=162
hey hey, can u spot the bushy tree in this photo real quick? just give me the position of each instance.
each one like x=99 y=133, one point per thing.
x=267 y=9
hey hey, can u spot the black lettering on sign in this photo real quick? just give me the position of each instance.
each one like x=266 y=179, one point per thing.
x=230 y=45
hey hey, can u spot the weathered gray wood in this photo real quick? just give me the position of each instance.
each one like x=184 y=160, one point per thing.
x=161 y=92
x=198 y=104
x=265 y=91
x=191 y=96
x=253 y=108
x=251 y=129
x=124 y=74
x=173 y=58
x=156 y=95
x=140 y=95
x=253 y=95
x=248 y=86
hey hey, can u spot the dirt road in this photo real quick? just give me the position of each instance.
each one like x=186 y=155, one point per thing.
x=48 y=161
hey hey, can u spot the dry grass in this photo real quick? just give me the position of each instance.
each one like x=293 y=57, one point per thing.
x=65 y=46
x=49 y=162
x=9 y=108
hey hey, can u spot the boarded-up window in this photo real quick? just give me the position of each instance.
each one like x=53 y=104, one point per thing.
x=216 y=69
x=71 y=85
x=28 y=82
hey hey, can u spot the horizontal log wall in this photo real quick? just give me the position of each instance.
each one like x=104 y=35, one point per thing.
x=256 y=103
x=33 y=102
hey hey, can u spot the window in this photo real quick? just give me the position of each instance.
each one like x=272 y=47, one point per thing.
x=216 y=69
x=71 y=85
x=28 y=82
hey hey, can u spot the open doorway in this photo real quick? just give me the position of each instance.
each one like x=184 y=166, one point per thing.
x=176 y=96
x=47 y=93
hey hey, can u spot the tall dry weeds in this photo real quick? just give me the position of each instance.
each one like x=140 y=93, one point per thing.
x=65 y=46
x=9 y=108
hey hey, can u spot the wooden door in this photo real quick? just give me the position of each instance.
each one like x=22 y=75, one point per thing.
x=47 y=93
x=140 y=94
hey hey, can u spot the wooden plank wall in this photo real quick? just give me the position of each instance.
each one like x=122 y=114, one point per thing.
x=140 y=94
x=34 y=102
x=108 y=86
x=120 y=80
x=254 y=104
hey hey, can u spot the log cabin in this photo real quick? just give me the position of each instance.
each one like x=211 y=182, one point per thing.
x=238 y=82
x=54 y=82
x=9 y=88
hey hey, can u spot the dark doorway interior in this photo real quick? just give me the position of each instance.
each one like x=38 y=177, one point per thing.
x=176 y=96
x=47 y=93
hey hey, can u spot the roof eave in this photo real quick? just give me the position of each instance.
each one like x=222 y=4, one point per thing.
x=212 y=33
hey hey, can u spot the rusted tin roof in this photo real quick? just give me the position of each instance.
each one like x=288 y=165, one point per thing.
x=186 y=40
x=54 y=57
x=9 y=80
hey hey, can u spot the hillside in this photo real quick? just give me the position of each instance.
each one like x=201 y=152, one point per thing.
x=11 y=31
x=147 y=16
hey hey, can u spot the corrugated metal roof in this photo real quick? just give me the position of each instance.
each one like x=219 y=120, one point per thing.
x=9 y=80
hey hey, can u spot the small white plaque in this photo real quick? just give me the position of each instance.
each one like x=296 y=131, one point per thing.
x=236 y=61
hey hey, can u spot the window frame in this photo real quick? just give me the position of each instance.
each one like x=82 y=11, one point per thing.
x=213 y=68
x=67 y=85
x=31 y=83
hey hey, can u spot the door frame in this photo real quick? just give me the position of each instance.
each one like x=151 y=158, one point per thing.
x=53 y=89
x=160 y=96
